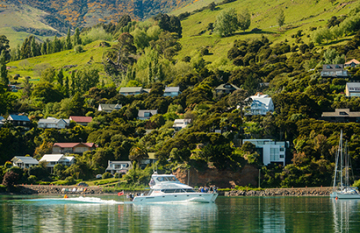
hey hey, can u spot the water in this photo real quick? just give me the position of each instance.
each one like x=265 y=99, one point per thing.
x=112 y=214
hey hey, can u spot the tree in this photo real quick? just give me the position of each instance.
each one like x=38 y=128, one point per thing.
x=123 y=21
x=10 y=179
x=226 y=22
x=77 y=39
x=137 y=153
x=68 y=40
x=3 y=71
x=281 y=18
x=46 y=91
x=60 y=77
x=48 y=75
x=244 y=20
x=4 y=45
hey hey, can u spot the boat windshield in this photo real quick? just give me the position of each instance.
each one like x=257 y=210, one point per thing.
x=166 y=178
x=177 y=190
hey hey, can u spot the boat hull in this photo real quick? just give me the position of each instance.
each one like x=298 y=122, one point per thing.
x=173 y=198
x=342 y=195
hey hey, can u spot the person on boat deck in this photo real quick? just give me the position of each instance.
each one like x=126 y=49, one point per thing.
x=202 y=189
x=206 y=189
x=131 y=197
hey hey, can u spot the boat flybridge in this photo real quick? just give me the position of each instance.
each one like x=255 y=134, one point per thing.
x=167 y=188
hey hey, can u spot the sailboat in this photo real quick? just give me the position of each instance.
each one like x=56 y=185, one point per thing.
x=341 y=188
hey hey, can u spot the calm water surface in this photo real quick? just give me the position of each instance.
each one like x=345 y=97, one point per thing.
x=110 y=214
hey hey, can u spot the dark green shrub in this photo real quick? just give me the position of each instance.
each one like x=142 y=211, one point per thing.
x=106 y=175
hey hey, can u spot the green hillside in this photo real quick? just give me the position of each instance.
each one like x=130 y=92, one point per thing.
x=299 y=15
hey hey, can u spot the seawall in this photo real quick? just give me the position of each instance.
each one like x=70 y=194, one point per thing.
x=312 y=191
x=56 y=190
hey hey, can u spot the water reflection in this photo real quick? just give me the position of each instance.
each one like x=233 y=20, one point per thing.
x=179 y=217
x=344 y=211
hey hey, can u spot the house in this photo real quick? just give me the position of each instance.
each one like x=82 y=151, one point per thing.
x=2 y=121
x=334 y=71
x=53 y=159
x=226 y=88
x=181 y=123
x=352 y=63
x=53 y=123
x=341 y=115
x=109 y=107
x=133 y=90
x=260 y=105
x=19 y=120
x=270 y=151
x=172 y=91
x=146 y=114
x=72 y=147
x=352 y=89
x=24 y=161
x=81 y=120
x=149 y=160
x=118 y=167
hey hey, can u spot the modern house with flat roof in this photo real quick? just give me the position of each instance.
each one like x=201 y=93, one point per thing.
x=172 y=91
x=341 y=115
x=352 y=89
x=24 y=161
x=109 y=107
x=118 y=167
x=270 y=151
x=181 y=123
x=334 y=71
x=146 y=114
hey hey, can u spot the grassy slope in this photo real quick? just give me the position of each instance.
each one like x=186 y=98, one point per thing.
x=25 y=16
x=61 y=59
x=300 y=14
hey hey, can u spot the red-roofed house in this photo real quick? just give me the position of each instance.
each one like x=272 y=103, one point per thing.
x=82 y=120
x=352 y=63
x=72 y=147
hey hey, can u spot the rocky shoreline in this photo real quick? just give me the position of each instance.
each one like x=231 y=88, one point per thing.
x=314 y=191
x=97 y=190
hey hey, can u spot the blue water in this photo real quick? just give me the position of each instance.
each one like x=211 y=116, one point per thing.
x=238 y=214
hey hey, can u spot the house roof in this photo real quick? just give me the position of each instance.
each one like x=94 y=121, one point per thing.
x=50 y=121
x=353 y=87
x=227 y=86
x=25 y=160
x=81 y=119
x=18 y=118
x=262 y=99
x=182 y=121
x=172 y=89
x=51 y=157
x=68 y=158
x=110 y=107
x=131 y=89
x=2 y=118
x=73 y=144
x=341 y=112
x=333 y=67
x=142 y=112
x=352 y=61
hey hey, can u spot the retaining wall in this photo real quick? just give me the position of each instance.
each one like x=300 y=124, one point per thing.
x=313 y=191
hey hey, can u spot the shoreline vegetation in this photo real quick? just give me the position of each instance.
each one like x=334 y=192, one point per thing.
x=96 y=190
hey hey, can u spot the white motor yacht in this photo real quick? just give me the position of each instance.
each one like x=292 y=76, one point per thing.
x=167 y=188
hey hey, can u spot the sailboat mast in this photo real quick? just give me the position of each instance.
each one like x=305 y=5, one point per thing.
x=335 y=184
x=341 y=163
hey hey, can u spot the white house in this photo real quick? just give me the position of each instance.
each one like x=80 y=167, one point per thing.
x=118 y=167
x=109 y=107
x=54 y=123
x=172 y=91
x=271 y=151
x=24 y=161
x=133 y=90
x=53 y=159
x=352 y=89
x=181 y=123
x=260 y=105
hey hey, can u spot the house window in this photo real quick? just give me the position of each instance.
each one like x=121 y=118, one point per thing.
x=147 y=114
x=282 y=156
x=282 y=149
